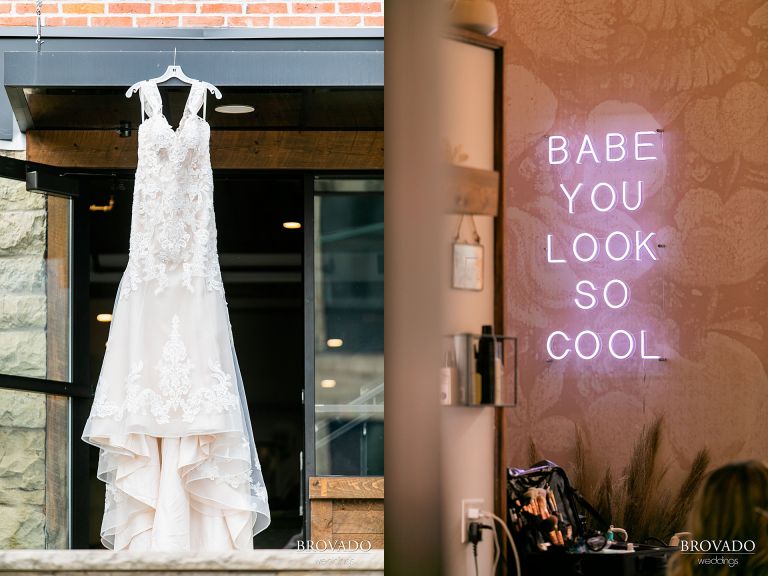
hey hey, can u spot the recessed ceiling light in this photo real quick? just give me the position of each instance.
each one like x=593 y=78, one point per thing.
x=291 y=225
x=104 y=317
x=328 y=383
x=234 y=109
x=335 y=342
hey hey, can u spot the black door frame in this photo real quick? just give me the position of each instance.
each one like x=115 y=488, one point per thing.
x=79 y=389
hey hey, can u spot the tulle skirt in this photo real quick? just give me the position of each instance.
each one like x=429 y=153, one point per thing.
x=170 y=418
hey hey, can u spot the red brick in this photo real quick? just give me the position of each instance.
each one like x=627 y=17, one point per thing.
x=91 y=8
x=268 y=8
x=74 y=21
x=29 y=8
x=248 y=21
x=374 y=20
x=175 y=8
x=202 y=21
x=18 y=21
x=116 y=21
x=294 y=21
x=340 y=21
x=129 y=8
x=159 y=21
x=221 y=8
x=313 y=8
x=360 y=7
x=5 y=8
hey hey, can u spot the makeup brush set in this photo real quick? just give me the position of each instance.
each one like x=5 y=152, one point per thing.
x=556 y=531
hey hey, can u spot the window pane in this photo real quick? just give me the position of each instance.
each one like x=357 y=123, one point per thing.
x=34 y=283
x=34 y=342
x=33 y=470
x=349 y=331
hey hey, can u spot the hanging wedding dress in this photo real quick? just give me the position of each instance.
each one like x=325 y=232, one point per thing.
x=169 y=416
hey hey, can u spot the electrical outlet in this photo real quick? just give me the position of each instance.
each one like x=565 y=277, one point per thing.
x=466 y=505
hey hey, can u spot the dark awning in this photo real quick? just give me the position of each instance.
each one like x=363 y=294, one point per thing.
x=303 y=83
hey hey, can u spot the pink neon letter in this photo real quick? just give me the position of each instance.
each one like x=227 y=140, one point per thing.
x=619 y=146
x=549 y=345
x=587 y=148
x=639 y=145
x=562 y=148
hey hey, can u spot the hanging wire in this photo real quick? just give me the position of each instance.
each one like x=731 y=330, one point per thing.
x=38 y=12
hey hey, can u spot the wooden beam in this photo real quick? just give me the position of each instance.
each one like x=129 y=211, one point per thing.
x=254 y=150
x=473 y=191
x=474 y=38
x=322 y=520
x=358 y=516
x=357 y=487
x=376 y=540
x=57 y=368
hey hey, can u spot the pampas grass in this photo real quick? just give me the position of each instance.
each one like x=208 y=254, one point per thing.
x=637 y=500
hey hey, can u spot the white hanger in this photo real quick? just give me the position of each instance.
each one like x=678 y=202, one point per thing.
x=173 y=71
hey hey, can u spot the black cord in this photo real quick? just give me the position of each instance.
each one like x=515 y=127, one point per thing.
x=654 y=539
x=474 y=551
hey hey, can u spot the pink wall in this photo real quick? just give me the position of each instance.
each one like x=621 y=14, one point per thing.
x=699 y=71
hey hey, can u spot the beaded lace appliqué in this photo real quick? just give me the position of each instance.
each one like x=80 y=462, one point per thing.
x=174 y=384
x=210 y=470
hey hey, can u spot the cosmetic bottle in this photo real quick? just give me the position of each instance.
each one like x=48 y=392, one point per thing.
x=448 y=379
x=498 y=372
x=486 y=360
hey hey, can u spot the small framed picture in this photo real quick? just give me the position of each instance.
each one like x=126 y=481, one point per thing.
x=467 y=266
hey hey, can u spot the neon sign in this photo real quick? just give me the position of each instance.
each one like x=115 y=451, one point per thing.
x=559 y=145
x=618 y=245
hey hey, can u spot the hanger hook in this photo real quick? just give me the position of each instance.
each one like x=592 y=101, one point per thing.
x=174 y=55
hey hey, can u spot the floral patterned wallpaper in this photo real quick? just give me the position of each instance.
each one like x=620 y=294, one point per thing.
x=698 y=71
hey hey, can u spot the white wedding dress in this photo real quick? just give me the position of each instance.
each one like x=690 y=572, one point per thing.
x=169 y=416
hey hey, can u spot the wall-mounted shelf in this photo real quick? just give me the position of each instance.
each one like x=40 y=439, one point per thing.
x=464 y=388
x=472 y=190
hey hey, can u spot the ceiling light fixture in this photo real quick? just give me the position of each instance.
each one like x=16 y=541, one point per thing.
x=335 y=342
x=328 y=383
x=104 y=317
x=291 y=225
x=235 y=109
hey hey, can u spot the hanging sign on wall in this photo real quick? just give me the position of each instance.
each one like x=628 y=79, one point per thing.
x=603 y=197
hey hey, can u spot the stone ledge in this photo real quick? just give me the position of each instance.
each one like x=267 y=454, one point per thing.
x=229 y=563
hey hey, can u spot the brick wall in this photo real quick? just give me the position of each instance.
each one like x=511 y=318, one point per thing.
x=187 y=13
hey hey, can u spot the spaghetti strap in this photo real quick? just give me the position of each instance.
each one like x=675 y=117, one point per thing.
x=141 y=99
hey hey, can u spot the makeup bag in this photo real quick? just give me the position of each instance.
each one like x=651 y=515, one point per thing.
x=545 y=513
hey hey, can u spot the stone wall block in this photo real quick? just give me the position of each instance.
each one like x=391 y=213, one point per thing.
x=22 y=527
x=23 y=353
x=22 y=233
x=22 y=311
x=20 y=409
x=15 y=196
x=22 y=458
x=12 y=495
x=24 y=274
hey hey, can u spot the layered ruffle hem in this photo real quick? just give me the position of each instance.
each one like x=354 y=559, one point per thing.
x=170 y=417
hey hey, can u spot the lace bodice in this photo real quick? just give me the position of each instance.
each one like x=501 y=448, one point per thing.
x=173 y=230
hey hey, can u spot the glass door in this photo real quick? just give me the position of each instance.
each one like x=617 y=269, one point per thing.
x=349 y=326
x=36 y=372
